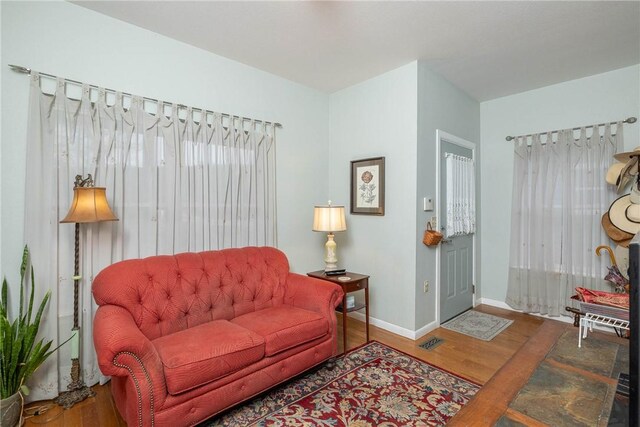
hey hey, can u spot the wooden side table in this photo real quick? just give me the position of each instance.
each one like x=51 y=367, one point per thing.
x=357 y=282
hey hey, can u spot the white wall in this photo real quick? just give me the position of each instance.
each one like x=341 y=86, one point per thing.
x=378 y=118
x=2 y=71
x=601 y=98
x=70 y=41
x=441 y=105
x=393 y=115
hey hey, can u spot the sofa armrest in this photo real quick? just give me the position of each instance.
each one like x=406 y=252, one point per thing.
x=124 y=351
x=312 y=294
x=316 y=295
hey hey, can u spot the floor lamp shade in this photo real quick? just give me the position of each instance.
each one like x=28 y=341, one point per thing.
x=89 y=205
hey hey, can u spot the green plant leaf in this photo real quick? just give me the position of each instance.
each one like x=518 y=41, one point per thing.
x=20 y=354
x=4 y=302
x=25 y=259
x=33 y=280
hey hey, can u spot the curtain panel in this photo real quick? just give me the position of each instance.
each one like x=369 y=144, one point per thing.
x=461 y=195
x=180 y=183
x=559 y=197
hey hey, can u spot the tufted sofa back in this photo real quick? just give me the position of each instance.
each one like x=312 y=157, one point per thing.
x=169 y=293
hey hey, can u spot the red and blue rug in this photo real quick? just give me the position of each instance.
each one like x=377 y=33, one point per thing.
x=373 y=385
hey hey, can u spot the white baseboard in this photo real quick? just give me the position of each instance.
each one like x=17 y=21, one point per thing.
x=426 y=329
x=495 y=303
x=398 y=330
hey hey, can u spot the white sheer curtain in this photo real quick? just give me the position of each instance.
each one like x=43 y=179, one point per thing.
x=187 y=182
x=461 y=195
x=559 y=197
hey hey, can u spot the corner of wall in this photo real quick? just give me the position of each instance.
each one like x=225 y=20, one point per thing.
x=444 y=106
x=374 y=118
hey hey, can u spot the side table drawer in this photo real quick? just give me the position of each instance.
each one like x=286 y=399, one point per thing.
x=353 y=286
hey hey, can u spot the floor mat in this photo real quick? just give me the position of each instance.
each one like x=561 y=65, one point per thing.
x=478 y=325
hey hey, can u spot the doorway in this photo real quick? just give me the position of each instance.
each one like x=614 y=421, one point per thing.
x=455 y=256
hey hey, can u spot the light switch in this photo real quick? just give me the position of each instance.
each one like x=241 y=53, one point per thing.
x=427 y=204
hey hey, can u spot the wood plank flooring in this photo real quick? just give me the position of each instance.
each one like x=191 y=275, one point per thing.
x=473 y=359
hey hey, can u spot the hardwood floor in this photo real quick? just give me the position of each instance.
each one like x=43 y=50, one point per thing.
x=473 y=359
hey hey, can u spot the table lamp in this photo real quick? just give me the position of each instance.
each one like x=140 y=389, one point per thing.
x=329 y=219
x=89 y=205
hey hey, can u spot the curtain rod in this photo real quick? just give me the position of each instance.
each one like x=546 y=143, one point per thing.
x=25 y=70
x=629 y=120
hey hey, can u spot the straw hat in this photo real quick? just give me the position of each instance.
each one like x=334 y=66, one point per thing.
x=613 y=173
x=622 y=258
x=628 y=172
x=625 y=215
x=627 y=155
x=620 y=237
x=624 y=243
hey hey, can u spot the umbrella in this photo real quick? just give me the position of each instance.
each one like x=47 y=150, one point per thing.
x=614 y=276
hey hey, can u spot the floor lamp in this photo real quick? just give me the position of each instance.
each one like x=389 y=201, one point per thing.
x=89 y=205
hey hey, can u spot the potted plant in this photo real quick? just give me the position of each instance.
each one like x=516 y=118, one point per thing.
x=20 y=354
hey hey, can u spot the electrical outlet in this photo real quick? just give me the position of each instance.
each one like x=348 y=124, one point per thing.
x=426 y=286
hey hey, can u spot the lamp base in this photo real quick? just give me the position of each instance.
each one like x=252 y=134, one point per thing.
x=69 y=398
x=77 y=391
x=330 y=258
x=331 y=267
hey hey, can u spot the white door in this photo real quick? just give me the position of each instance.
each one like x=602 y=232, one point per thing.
x=456 y=252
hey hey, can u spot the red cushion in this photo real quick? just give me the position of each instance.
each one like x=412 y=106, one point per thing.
x=284 y=327
x=206 y=352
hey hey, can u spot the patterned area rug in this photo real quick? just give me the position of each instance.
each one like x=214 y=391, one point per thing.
x=373 y=385
x=478 y=325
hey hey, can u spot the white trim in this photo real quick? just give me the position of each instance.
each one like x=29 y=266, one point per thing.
x=444 y=136
x=426 y=329
x=495 y=303
x=398 y=330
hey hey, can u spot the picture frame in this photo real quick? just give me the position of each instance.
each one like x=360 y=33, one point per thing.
x=367 y=186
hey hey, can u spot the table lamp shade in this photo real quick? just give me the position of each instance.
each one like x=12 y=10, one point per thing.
x=89 y=205
x=329 y=218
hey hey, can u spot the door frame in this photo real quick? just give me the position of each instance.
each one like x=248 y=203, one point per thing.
x=452 y=139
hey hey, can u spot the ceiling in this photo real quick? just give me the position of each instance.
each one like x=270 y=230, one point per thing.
x=489 y=49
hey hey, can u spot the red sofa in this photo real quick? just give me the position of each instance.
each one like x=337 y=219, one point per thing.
x=184 y=337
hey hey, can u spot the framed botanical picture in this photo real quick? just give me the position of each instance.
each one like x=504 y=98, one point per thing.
x=367 y=186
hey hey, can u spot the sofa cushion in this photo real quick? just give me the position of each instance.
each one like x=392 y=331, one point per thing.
x=284 y=327
x=206 y=352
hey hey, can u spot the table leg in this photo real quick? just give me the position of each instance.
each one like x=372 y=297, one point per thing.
x=344 y=323
x=366 y=309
